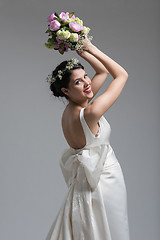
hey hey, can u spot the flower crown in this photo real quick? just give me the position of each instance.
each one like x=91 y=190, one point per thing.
x=69 y=66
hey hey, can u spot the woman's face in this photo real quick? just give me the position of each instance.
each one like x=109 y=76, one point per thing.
x=79 y=88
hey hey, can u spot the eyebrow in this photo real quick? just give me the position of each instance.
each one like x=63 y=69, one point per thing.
x=80 y=78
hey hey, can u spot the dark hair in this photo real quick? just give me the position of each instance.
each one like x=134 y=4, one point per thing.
x=56 y=86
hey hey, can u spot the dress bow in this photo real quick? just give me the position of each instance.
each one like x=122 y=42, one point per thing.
x=87 y=163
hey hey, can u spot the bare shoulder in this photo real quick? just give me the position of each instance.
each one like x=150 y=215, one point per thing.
x=70 y=113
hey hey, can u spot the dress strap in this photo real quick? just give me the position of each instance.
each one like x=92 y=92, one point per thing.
x=87 y=132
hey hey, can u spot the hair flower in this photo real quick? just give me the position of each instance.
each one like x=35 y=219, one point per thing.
x=69 y=66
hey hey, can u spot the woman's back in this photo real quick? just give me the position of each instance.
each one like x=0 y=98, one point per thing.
x=72 y=128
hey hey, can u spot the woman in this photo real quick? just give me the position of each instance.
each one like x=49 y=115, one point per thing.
x=95 y=207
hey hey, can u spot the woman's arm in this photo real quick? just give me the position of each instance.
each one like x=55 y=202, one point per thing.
x=101 y=72
x=102 y=103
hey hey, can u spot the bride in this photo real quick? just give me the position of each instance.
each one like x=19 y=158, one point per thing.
x=96 y=203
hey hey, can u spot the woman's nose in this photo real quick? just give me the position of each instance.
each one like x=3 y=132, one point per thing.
x=87 y=81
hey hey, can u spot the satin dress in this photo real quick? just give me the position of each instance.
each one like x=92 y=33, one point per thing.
x=95 y=206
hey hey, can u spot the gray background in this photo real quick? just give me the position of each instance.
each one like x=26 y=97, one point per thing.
x=32 y=187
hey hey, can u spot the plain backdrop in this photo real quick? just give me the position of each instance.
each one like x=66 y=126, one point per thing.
x=32 y=187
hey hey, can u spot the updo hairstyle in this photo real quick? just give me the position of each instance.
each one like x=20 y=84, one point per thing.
x=56 y=86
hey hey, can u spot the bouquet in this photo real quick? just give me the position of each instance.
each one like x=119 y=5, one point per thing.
x=66 y=31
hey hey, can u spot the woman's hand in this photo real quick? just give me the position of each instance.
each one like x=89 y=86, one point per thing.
x=85 y=47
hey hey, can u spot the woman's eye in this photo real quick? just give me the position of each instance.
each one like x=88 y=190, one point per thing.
x=77 y=82
x=80 y=80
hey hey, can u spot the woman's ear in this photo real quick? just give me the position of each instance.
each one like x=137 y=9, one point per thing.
x=64 y=90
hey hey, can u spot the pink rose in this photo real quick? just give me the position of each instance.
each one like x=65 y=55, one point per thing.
x=76 y=27
x=73 y=17
x=54 y=25
x=51 y=17
x=64 y=16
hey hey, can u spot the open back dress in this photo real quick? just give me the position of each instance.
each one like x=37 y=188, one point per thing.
x=95 y=206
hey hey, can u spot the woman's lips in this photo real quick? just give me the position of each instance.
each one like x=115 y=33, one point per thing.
x=88 y=90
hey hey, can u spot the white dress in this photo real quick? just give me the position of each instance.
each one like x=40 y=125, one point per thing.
x=95 y=207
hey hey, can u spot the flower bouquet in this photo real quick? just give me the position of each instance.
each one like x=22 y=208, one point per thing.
x=66 y=31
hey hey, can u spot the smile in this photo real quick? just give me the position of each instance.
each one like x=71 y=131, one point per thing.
x=88 y=90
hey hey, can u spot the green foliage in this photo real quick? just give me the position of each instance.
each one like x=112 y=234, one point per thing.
x=50 y=40
x=61 y=52
x=59 y=19
x=48 y=31
x=61 y=45
x=49 y=46
x=50 y=43
x=67 y=28
x=71 y=14
x=56 y=14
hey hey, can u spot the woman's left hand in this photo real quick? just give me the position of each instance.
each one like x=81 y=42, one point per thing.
x=81 y=53
x=86 y=45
